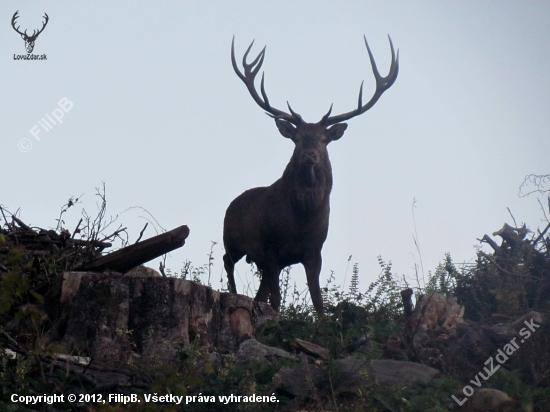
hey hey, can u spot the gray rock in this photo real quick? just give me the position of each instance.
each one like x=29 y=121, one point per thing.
x=487 y=399
x=142 y=271
x=253 y=351
x=390 y=372
x=347 y=375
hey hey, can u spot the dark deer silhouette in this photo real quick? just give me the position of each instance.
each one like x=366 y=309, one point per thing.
x=287 y=222
x=29 y=40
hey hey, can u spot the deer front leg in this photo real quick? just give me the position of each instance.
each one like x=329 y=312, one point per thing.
x=312 y=265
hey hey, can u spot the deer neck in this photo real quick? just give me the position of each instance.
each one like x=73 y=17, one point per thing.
x=309 y=186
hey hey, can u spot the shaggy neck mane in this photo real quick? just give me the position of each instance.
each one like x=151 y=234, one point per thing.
x=309 y=186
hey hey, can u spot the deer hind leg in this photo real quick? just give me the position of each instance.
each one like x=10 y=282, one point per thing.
x=269 y=286
x=229 y=264
x=263 y=291
x=312 y=265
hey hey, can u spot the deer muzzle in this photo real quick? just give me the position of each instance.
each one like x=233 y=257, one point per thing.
x=309 y=157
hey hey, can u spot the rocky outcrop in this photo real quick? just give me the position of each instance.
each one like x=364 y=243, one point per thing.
x=111 y=317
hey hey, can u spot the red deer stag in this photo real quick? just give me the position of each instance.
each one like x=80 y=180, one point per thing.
x=287 y=223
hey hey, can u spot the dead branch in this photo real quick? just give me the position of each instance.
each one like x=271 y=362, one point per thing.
x=134 y=255
x=115 y=234
x=20 y=223
x=501 y=269
x=491 y=242
x=406 y=298
x=76 y=229
x=541 y=235
x=141 y=233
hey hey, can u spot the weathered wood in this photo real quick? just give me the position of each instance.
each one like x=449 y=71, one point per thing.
x=134 y=255
x=490 y=242
x=436 y=310
x=512 y=235
x=112 y=317
x=406 y=298
x=311 y=348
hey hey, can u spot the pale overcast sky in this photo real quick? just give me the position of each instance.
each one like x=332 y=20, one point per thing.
x=159 y=116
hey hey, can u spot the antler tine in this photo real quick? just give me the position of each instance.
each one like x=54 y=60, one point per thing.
x=394 y=67
x=373 y=62
x=294 y=114
x=325 y=117
x=264 y=94
x=382 y=84
x=254 y=67
x=360 y=100
x=234 y=62
x=250 y=71
x=13 y=19
x=43 y=24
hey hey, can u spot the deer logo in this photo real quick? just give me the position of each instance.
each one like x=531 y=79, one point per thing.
x=29 y=40
x=287 y=223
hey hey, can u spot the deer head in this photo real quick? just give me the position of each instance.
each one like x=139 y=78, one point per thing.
x=29 y=40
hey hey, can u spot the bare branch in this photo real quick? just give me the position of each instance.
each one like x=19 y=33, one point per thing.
x=141 y=233
x=539 y=181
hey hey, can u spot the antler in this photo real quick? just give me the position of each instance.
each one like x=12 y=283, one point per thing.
x=250 y=72
x=382 y=84
x=15 y=17
x=43 y=26
x=34 y=33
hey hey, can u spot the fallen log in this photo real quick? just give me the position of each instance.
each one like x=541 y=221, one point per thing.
x=311 y=348
x=134 y=255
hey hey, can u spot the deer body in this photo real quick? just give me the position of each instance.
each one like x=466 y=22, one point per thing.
x=287 y=223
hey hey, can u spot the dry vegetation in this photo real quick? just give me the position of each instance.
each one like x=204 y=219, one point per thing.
x=379 y=322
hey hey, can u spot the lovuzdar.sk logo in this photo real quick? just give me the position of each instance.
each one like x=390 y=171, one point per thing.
x=29 y=40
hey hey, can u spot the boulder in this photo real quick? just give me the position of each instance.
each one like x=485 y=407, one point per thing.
x=486 y=399
x=389 y=372
x=253 y=351
x=347 y=375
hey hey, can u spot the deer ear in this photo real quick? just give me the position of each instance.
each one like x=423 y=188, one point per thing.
x=337 y=131
x=285 y=128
